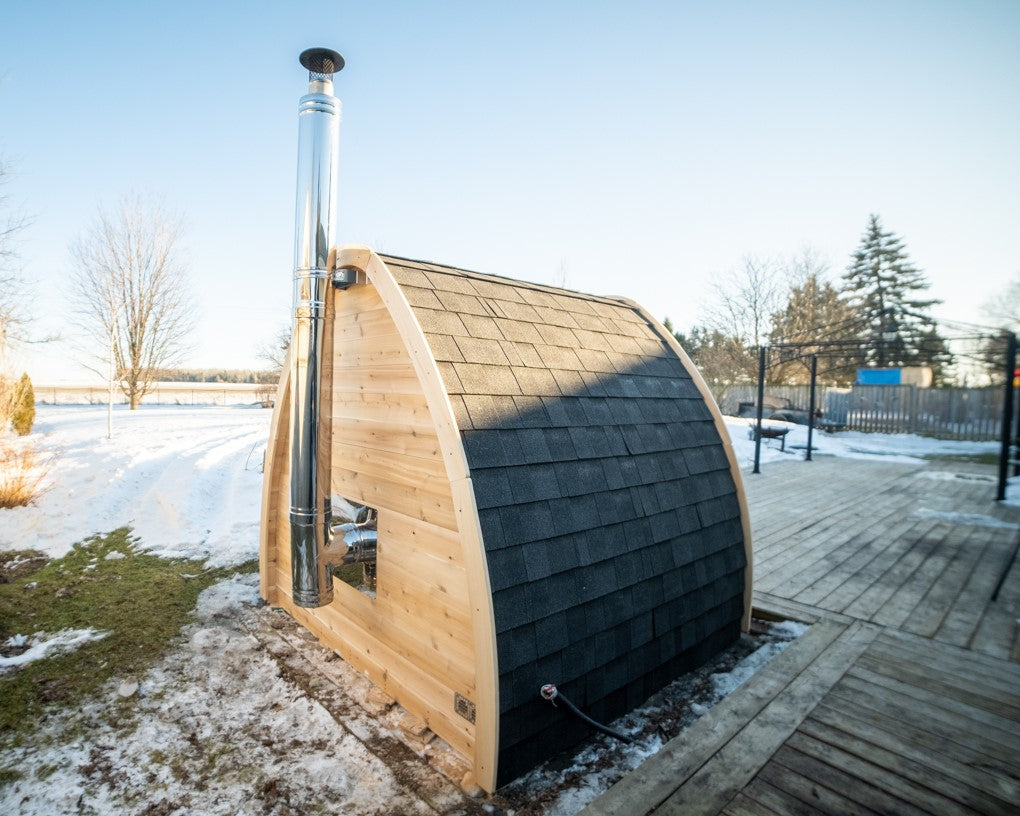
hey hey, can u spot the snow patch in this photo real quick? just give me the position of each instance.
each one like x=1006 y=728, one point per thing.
x=903 y=448
x=970 y=519
x=950 y=476
x=227 y=597
x=42 y=645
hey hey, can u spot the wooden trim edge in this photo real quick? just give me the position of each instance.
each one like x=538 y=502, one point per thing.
x=270 y=467
x=365 y=261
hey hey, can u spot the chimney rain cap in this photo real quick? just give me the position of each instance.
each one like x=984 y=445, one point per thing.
x=322 y=61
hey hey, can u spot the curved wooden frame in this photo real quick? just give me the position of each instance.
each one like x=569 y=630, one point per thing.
x=724 y=436
x=371 y=268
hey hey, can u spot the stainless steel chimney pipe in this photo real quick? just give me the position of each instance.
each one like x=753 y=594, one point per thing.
x=314 y=238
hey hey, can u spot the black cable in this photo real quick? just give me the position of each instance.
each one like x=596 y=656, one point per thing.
x=551 y=693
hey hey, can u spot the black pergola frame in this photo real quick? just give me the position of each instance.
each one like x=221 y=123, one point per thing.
x=1007 y=438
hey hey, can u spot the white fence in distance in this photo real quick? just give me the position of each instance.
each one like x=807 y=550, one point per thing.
x=162 y=393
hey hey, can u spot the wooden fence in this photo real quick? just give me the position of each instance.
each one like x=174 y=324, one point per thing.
x=949 y=413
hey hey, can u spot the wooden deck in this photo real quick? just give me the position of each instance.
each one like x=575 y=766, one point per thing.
x=904 y=695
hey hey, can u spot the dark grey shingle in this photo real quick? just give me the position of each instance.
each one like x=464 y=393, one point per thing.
x=512 y=450
x=560 y=446
x=536 y=560
x=510 y=607
x=492 y=529
x=506 y=568
x=483 y=449
x=539 y=485
x=523 y=523
x=534 y=446
x=492 y=487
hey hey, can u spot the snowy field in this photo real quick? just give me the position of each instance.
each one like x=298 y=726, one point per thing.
x=188 y=480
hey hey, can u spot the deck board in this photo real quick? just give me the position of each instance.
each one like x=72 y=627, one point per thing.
x=904 y=695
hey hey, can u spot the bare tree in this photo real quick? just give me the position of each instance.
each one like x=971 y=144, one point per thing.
x=746 y=299
x=274 y=351
x=738 y=319
x=1004 y=309
x=12 y=289
x=130 y=292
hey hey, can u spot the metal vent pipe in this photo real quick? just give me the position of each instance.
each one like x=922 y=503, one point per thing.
x=314 y=237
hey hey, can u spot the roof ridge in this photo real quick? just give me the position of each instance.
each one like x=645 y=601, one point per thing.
x=615 y=300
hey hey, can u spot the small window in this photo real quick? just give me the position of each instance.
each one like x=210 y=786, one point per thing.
x=357 y=525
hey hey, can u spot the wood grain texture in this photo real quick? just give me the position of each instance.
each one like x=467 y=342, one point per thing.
x=417 y=638
x=429 y=385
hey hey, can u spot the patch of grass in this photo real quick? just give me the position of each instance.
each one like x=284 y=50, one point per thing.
x=973 y=458
x=140 y=599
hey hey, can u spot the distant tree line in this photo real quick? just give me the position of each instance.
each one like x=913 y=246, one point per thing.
x=876 y=314
x=216 y=375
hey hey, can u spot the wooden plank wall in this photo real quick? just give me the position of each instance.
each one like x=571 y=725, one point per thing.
x=415 y=638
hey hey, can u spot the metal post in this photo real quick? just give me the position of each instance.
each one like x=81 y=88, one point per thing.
x=761 y=400
x=1007 y=416
x=1016 y=433
x=109 y=400
x=811 y=405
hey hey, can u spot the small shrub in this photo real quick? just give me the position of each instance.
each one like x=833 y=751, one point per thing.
x=22 y=472
x=23 y=415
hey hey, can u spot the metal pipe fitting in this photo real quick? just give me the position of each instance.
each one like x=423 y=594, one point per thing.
x=314 y=238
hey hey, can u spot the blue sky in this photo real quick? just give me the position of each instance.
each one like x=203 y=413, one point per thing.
x=635 y=148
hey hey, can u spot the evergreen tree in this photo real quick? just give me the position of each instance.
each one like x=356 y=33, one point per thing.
x=885 y=290
x=23 y=416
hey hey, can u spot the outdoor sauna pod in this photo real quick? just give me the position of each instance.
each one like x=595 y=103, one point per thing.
x=553 y=495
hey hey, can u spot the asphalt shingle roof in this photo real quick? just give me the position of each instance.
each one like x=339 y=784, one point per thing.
x=608 y=511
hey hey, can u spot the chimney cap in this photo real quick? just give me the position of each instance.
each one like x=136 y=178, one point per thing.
x=323 y=61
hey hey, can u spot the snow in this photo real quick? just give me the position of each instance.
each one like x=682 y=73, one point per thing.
x=188 y=480
x=969 y=519
x=905 y=448
x=213 y=729
x=42 y=645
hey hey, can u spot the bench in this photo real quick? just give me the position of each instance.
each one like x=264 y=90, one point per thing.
x=770 y=433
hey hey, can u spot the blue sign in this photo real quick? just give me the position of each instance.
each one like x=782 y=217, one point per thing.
x=878 y=376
